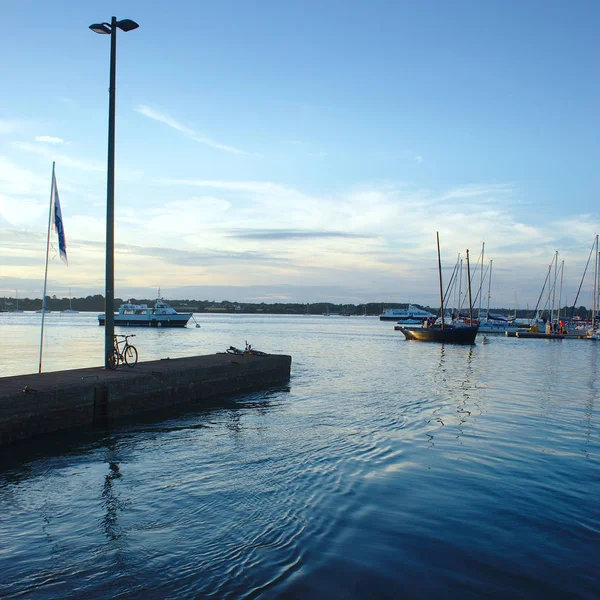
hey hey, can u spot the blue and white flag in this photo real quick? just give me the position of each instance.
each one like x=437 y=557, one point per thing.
x=57 y=222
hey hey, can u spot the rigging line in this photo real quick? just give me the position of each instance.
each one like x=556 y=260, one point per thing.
x=540 y=297
x=479 y=290
x=582 y=278
x=450 y=283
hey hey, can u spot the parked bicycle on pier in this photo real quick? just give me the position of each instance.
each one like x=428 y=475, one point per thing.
x=127 y=354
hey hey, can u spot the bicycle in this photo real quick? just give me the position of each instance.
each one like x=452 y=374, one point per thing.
x=128 y=354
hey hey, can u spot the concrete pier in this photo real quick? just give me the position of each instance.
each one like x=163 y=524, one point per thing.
x=37 y=404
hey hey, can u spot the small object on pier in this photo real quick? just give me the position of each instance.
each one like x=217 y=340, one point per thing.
x=234 y=350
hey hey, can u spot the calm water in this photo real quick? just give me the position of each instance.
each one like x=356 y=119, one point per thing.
x=386 y=469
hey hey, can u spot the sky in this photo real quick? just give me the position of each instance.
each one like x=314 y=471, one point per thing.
x=302 y=151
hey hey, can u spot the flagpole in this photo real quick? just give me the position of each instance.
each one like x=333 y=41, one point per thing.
x=46 y=271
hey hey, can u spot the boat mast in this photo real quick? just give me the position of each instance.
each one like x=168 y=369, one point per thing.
x=469 y=282
x=460 y=289
x=554 y=286
x=457 y=288
x=549 y=290
x=595 y=299
x=489 y=291
x=597 y=290
x=562 y=272
x=481 y=280
x=437 y=235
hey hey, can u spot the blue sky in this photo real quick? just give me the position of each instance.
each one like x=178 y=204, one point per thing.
x=280 y=151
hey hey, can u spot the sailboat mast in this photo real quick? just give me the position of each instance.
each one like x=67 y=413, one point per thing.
x=460 y=289
x=595 y=299
x=481 y=279
x=456 y=288
x=489 y=291
x=548 y=277
x=437 y=235
x=46 y=271
x=469 y=282
x=598 y=290
x=554 y=286
x=562 y=272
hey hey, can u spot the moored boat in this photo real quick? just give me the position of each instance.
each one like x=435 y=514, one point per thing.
x=442 y=333
x=412 y=313
x=497 y=326
x=162 y=314
x=449 y=334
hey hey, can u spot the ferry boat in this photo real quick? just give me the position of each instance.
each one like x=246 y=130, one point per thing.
x=140 y=315
x=412 y=314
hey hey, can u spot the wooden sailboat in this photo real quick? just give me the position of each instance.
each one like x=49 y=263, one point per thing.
x=448 y=334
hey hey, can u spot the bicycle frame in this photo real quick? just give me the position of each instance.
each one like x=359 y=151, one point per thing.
x=127 y=354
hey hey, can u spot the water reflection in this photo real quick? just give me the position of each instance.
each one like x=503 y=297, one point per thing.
x=112 y=504
x=110 y=496
x=588 y=409
x=453 y=377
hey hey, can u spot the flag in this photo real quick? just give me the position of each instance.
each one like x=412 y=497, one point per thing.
x=57 y=222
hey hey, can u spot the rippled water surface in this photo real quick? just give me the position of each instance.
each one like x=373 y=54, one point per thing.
x=384 y=469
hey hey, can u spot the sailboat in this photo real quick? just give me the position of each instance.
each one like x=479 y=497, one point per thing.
x=495 y=323
x=443 y=333
x=70 y=309
x=17 y=309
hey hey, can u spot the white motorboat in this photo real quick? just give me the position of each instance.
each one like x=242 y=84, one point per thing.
x=413 y=313
x=497 y=326
x=162 y=314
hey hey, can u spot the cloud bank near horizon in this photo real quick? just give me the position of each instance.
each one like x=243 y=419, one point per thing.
x=374 y=241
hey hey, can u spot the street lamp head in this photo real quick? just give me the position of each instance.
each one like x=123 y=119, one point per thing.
x=127 y=25
x=100 y=28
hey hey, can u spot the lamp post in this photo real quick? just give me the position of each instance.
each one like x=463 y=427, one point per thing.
x=109 y=313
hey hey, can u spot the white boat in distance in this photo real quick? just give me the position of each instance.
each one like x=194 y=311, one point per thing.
x=497 y=326
x=412 y=314
x=140 y=315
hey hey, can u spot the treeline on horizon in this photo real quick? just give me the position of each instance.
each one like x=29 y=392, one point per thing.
x=96 y=304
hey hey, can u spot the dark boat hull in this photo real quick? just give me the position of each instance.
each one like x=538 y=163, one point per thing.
x=448 y=335
x=146 y=323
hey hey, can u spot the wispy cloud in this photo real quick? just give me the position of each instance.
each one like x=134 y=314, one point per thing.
x=48 y=139
x=191 y=133
x=476 y=190
x=260 y=187
x=63 y=159
x=291 y=234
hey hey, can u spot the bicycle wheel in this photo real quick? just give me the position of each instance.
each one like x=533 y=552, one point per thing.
x=113 y=361
x=131 y=355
